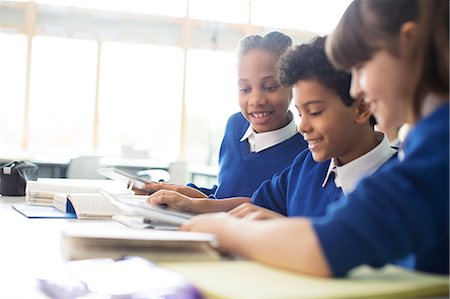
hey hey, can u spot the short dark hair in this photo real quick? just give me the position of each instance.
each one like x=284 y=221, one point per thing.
x=309 y=62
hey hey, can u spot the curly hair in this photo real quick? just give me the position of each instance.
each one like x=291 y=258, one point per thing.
x=309 y=62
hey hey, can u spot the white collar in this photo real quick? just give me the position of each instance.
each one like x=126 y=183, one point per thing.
x=261 y=141
x=348 y=175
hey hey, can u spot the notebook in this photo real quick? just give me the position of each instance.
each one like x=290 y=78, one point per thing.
x=247 y=279
x=112 y=240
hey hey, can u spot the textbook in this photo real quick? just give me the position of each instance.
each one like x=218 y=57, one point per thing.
x=249 y=279
x=112 y=240
x=41 y=192
x=86 y=205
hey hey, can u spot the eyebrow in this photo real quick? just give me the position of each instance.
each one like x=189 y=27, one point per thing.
x=263 y=78
x=312 y=102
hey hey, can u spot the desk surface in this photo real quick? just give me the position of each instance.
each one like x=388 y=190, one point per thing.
x=30 y=247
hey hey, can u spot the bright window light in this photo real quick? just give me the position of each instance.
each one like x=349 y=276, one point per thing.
x=174 y=8
x=140 y=99
x=12 y=86
x=211 y=97
x=232 y=11
x=62 y=94
x=319 y=16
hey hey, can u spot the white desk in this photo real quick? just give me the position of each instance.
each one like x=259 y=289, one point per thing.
x=28 y=247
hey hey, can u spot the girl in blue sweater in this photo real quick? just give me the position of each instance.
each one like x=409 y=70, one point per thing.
x=398 y=52
x=259 y=141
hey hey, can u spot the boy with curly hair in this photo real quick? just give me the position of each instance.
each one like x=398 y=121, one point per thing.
x=341 y=140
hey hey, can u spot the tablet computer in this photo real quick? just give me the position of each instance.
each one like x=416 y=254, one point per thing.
x=136 y=206
x=126 y=177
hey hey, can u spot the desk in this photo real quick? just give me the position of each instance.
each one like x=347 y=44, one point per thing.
x=30 y=247
x=27 y=247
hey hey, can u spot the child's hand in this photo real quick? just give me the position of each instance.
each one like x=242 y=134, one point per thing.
x=185 y=190
x=172 y=199
x=253 y=212
x=220 y=224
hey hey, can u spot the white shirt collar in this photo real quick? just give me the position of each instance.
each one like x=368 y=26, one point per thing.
x=348 y=175
x=261 y=141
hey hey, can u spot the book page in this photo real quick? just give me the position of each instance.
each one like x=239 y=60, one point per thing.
x=92 y=206
x=42 y=190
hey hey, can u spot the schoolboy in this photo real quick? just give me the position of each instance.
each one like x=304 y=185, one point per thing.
x=335 y=126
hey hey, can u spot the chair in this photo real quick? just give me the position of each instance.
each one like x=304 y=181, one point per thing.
x=84 y=167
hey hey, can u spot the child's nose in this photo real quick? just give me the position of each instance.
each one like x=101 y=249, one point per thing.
x=256 y=98
x=303 y=126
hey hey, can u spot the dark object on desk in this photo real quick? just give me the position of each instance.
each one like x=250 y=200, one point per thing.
x=14 y=176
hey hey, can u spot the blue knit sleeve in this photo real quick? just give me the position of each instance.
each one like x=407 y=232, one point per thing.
x=207 y=191
x=272 y=193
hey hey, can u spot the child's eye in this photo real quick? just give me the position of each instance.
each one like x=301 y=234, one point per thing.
x=244 y=90
x=271 y=88
x=315 y=113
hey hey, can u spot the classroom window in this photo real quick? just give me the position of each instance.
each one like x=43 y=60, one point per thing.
x=232 y=11
x=62 y=93
x=173 y=8
x=140 y=99
x=12 y=86
x=211 y=97
x=313 y=16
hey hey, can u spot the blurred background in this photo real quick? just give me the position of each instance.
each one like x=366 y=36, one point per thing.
x=143 y=83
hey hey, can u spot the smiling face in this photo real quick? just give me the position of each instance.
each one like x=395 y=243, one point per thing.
x=383 y=83
x=327 y=124
x=263 y=100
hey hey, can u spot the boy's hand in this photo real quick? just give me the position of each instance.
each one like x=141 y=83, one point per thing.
x=253 y=212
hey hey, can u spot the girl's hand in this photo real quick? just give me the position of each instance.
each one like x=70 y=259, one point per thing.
x=184 y=190
x=253 y=212
x=172 y=199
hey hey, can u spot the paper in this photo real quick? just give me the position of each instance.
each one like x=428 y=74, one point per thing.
x=31 y=211
x=247 y=279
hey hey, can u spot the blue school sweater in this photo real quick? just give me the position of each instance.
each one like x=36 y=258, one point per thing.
x=403 y=209
x=241 y=171
x=298 y=191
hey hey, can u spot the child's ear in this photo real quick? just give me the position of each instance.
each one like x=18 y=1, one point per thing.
x=363 y=113
x=408 y=38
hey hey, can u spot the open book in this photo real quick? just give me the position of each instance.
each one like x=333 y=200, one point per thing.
x=86 y=205
x=112 y=240
x=41 y=192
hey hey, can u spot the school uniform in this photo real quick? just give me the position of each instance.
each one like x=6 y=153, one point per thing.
x=306 y=187
x=247 y=158
x=402 y=209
